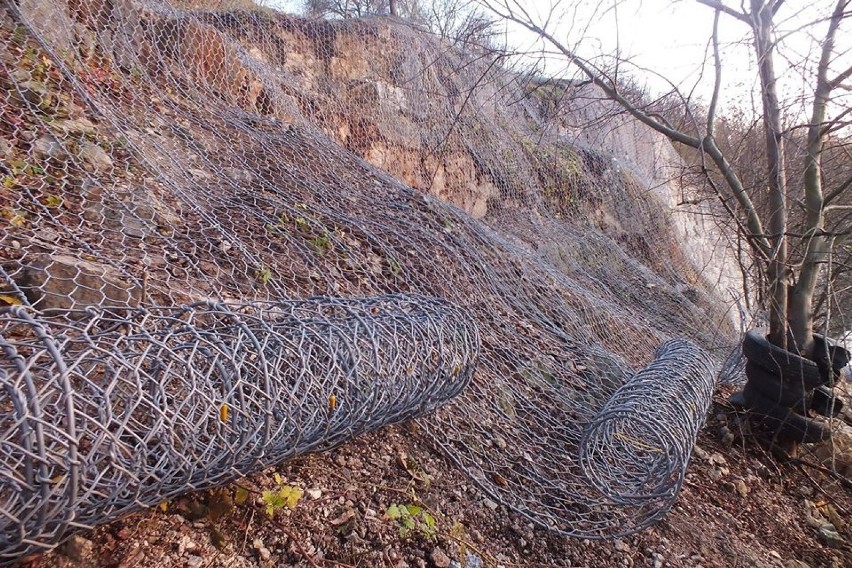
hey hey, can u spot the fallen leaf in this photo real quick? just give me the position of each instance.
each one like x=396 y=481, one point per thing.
x=241 y=495
x=9 y=300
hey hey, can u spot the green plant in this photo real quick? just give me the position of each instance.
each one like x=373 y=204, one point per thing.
x=19 y=36
x=264 y=275
x=412 y=519
x=282 y=496
x=320 y=244
x=395 y=267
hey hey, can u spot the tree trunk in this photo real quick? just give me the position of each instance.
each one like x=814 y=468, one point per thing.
x=818 y=244
x=393 y=10
x=777 y=270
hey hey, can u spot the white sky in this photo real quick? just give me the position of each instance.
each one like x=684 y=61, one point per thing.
x=672 y=38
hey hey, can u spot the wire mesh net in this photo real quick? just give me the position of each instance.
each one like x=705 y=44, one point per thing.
x=177 y=177
x=115 y=410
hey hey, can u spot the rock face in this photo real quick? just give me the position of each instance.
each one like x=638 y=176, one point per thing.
x=51 y=19
x=57 y=283
x=486 y=140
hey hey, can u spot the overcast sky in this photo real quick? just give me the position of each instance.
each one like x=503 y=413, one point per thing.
x=672 y=38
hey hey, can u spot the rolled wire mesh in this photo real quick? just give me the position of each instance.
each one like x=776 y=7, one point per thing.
x=636 y=449
x=117 y=412
x=160 y=153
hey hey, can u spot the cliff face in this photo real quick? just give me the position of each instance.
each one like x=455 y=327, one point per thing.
x=453 y=122
x=441 y=119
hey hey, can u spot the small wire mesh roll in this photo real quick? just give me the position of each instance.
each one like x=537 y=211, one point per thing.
x=635 y=451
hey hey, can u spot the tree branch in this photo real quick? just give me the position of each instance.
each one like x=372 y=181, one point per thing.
x=719 y=7
x=841 y=77
x=717 y=65
x=818 y=245
x=838 y=191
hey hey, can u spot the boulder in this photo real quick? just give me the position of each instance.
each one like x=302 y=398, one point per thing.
x=56 y=283
x=51 y=20
x=95 y=156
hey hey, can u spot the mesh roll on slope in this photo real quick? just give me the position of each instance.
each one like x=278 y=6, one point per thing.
x=161 y=154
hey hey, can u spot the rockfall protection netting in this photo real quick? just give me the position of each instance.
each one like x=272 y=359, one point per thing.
x=175 y=178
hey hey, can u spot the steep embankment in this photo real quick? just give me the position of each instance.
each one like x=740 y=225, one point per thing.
x=156 y=156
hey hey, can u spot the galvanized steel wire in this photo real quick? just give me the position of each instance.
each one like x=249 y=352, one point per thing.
x=160 y=154
x=636 y=449
x=115 y=412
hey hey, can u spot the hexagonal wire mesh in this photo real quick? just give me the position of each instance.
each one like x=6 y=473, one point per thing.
x=157 y=154
x=113 y=410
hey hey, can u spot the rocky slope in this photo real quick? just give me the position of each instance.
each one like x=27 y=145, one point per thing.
x=158 y=156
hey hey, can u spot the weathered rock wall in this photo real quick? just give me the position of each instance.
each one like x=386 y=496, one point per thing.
x=452 y=123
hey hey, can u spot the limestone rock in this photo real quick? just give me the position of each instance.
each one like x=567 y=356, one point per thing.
x=440 y=558
x=46 y=146
x=74 y=126
x=96 y=156
x=828 y=533
x=134 y=211
x=5 y=149
x=58 y=283
x=52 y=21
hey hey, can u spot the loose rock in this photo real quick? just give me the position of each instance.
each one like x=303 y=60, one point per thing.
x=75 y=126
x=440 y=558
x=314 y=493
x=700 y=453
x=46 y=146
x=828 y=533
x=62 y=282
x=95 y=156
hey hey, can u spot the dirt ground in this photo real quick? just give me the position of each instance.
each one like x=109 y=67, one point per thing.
x=741 y=505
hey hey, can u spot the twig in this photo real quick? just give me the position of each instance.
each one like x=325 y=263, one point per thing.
x=825 y=494
x=245 y=536
x=308 y=558
x=336 y=563
x=843 y=481
x=211 y=559
x=248 y=489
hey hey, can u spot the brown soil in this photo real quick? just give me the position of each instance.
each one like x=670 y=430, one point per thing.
x=740 y=506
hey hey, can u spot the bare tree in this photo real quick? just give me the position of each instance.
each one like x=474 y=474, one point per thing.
x=790 y=280
x=461 y=21
x=409 y=9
